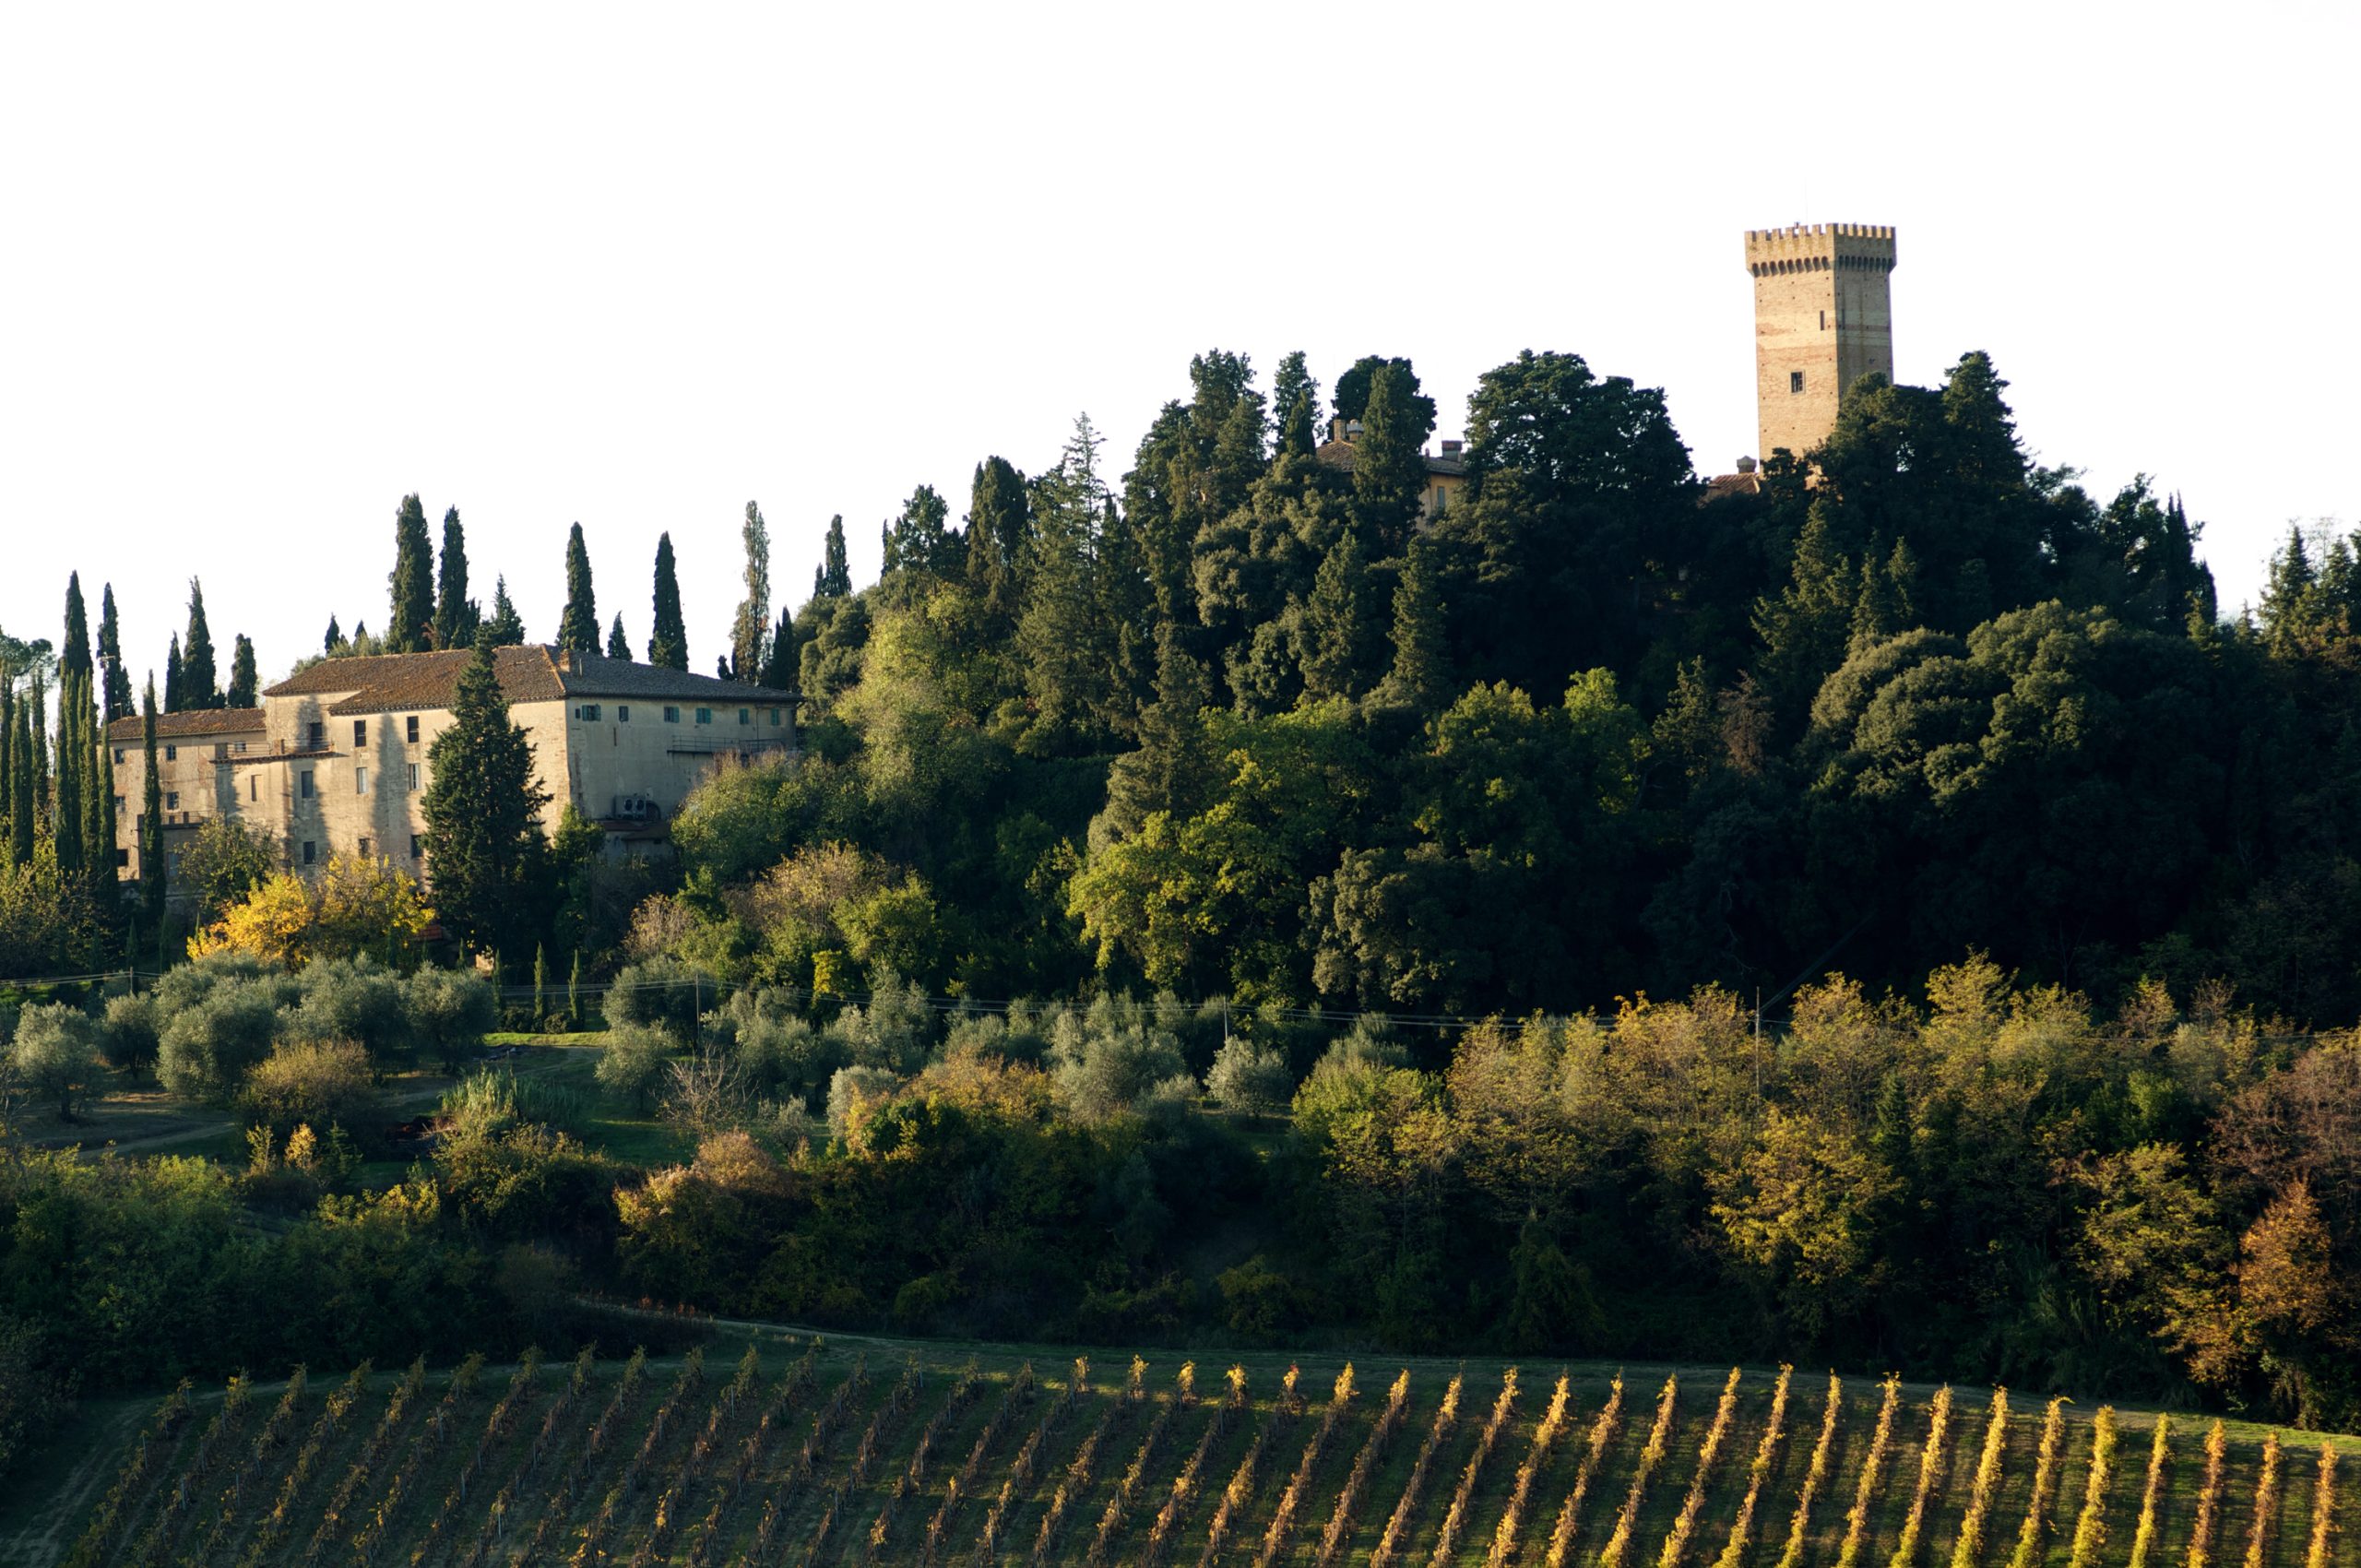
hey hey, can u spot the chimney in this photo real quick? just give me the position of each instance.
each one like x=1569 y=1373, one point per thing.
x=1450 y=449
x=1746 y=465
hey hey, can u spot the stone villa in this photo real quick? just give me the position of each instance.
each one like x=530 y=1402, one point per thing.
x=335 y=760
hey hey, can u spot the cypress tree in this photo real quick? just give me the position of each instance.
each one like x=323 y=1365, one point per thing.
x=667 y=645
x=1389 y=460
x=75 y=660
x=411 y=623
x=578 y=629
x=151 y=819
x=506 y=628
x=998 y=521
x=98 y=819
x=1421 y=673
x=23 y=810
x=242 y=678
x=73 y=762
x=482 y=812
x=1337 y=624
x=8 y=859
x=750 y=630
x=200 y=684
x=618 y=645
x=118 y=679
x=172 y=676
x=573 y=992
x=1290 y=386
x=540 y=982
x=778 y=670
x=455 y=615
x=334 y=639
x=834 y=577
x=36 y=747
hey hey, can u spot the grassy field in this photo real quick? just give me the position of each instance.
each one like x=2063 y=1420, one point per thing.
x=851 y=1453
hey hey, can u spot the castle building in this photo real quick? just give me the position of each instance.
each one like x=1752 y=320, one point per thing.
x=336 y=760
x=1822 y=320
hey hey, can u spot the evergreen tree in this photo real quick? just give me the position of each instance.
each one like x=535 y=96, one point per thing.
x=8 y=859
x=1389 y=460
x=151 y=818
x=750 y=630
x=243 y=680
x=334 y=639
x=779 y=668
x=1171 y=771
x=998 y=522
x=618 y=645
x=506 y=628
x=578 y=629
x=485 y=848
x=1295 y=398
x=667 y=645
x=118 y=678
x=918 y=539
x=410 y=628
x=2289 y=612
x=455 y=615
x=76 y=658
x=98 y=815
x=73 y=761
x=172 y=676
x=833 y=579
x=1421 y=674
x=1338 y=626
x=200 y=683
x=24 y=804
x=36 y=732
x=1059 y=638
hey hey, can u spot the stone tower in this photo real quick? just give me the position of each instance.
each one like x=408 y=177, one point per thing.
x=1821 y=321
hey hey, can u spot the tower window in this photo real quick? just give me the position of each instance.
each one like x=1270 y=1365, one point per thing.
x=1823 y=321
x=1795 y=381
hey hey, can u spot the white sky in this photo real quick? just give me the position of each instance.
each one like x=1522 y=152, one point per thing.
x=265 y=269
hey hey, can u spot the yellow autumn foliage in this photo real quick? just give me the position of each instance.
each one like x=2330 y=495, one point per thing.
x=356 y=906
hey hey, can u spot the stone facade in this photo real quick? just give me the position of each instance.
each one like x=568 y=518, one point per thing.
x=336 y=760
x=1822 y=320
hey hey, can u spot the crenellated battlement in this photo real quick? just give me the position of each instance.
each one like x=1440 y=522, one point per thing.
x=1820 y=247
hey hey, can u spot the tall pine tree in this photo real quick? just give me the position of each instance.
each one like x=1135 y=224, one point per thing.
x=1338 y=627
x=485 y=848
x=1421 y=674
x=200 y=682
x=118 y=678
x=410 y=628
x=578 y=629
x=455 y=615
x=667 y=645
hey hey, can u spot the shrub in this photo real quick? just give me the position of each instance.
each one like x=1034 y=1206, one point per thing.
x=206 y=1049
x=492 y=1102
x=1244 y=1076
x=312 y=1083
x=128 y=1039
x=895 y=1031
x=451 y=1010
x=356 y=1000
x=661 y=992
x=56 y=1054
x=852 y=1084
x=1108 y=1061
x=773 y=1045
x=631 y=1067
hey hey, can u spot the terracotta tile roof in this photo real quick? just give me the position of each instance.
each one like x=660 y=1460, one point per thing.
x=535 y=673
x=1733 y=484
x=1340 y=455
x=198 y=721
